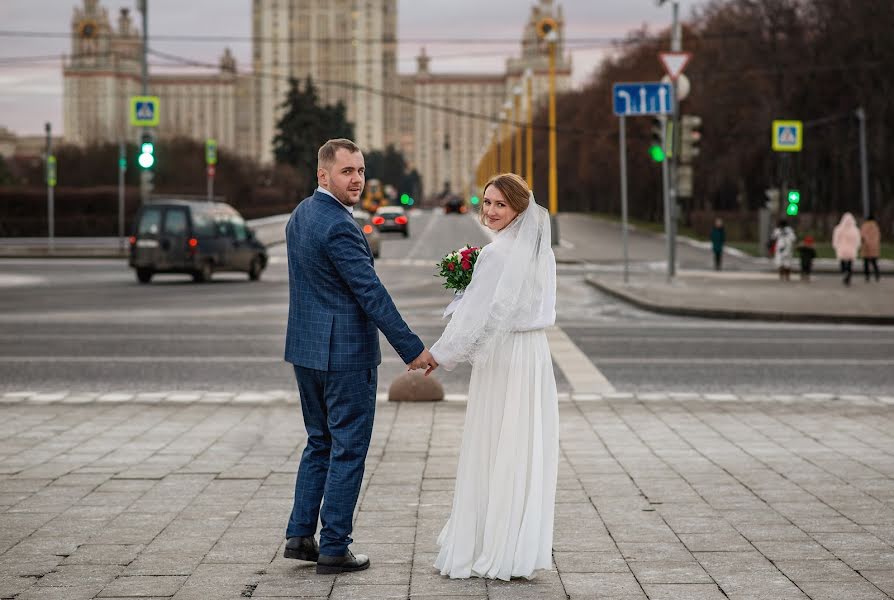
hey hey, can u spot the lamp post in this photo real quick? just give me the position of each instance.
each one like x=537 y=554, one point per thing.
x=516 y=118
x=495 y=150
x=548 y=31
x=529 y=134
x=507 y=137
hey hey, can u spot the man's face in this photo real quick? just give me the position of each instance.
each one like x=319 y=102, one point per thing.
x=345 y=178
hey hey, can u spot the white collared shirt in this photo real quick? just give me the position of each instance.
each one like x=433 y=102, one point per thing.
x=350 y=209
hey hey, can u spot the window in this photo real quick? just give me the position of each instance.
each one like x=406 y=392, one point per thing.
x=150 y=222
x=238 y=228
x=175 y=222
x=202 y=224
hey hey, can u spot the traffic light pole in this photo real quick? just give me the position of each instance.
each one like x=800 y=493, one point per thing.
x=50 y=176
x=622 y=133
x=864 y=163
x=145 y=175
x=674 y=183
x=666 y=189
x=122 y=167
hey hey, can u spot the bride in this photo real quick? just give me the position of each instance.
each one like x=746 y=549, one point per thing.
x=501 y=523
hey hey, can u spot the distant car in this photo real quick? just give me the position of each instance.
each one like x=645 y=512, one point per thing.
x=392 y=218
x=193 y=237
x=455 y=204
x=364 y=221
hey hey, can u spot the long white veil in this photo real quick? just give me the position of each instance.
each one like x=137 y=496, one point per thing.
x=510 y=289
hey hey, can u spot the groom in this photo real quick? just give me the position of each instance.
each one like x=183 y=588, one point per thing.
x=336 y=307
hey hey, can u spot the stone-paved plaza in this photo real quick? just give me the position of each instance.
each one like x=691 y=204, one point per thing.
x=677 y=496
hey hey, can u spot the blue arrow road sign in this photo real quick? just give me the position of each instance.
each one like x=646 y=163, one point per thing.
x=647 y=98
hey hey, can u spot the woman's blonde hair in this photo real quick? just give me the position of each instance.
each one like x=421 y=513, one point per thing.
x=513 y=188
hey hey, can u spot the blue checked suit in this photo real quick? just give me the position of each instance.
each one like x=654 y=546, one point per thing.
x=336 y=307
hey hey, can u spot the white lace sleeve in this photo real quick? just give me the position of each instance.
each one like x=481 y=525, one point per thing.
x=467 y=328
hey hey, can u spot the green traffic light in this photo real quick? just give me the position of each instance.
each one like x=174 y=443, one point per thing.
x=792 y=210
x=657 y=153
x=404 y=199
x=474 y=200
x=146 y=160
x=794 y=196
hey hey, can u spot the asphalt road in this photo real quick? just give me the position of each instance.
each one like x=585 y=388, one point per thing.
x=87 y=325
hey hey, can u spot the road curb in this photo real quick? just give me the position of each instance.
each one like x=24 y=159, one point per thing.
x=736 y=314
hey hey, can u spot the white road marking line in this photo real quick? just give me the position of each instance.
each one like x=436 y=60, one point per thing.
x=424 y=237
x=696 y=361
x=581 y=373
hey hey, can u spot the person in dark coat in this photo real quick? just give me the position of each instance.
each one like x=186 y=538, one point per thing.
x=807 y=252
x=718 y=239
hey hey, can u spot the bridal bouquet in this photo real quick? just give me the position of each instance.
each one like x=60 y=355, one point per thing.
x=457 y=266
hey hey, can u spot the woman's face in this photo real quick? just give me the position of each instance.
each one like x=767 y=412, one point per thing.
x=497 y=212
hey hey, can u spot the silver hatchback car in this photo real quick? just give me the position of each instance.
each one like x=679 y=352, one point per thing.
x=364 y=222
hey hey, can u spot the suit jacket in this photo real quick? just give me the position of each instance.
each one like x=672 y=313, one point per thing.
x=336 y=301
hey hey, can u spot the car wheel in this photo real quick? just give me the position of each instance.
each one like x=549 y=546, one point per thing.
x=254 y=269
x=144 y=275
x=204 y=273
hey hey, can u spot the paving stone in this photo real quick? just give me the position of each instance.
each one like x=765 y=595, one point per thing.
x=128 y=587
x=590 y=562
x=80 y=575
x=620 y=586
x=348 y=591
x=685 y=591
x=103 y=554
x=668 y=571
x=852 y=590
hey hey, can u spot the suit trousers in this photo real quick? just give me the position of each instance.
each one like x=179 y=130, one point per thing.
x=338 y=409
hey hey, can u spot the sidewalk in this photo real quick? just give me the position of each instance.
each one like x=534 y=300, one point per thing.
x=270 y=230
x=586 y=239
x=737 y=295
x=664 y=497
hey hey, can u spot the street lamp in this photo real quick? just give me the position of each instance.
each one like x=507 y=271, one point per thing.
x=516 y=118
x=547 y=30
x=507 y=137
x=529 y=171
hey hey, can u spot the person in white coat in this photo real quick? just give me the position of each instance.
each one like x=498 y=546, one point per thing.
x=846 y=242
x=501 y=523
x=784 y=249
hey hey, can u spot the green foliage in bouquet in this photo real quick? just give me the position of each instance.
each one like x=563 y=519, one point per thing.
x=457 y=266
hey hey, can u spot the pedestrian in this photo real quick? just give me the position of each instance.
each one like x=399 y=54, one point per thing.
x=871 y=238
x=784 y=239
x=846 y=242
x=337 y=306
x=501 y=521
x=807 y=252
x=718 y=239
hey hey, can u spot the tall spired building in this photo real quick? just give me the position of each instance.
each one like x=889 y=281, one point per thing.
x=104 y=71
x=347 y=47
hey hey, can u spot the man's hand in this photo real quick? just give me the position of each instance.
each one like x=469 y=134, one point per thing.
x=424 y=361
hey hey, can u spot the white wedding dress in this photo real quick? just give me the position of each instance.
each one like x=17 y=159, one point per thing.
x=501 y=523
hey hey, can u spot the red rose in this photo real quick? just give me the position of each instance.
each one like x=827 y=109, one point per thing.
x=451 y=266
x=466 y=265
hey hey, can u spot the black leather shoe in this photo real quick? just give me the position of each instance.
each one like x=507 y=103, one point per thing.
x=302 y=548
x=329 y=565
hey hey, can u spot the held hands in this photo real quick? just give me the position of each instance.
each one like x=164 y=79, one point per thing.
x=424 y=361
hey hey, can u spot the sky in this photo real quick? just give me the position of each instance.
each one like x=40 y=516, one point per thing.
x=31 y=92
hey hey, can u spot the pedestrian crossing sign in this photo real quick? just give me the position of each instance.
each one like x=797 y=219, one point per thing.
x=144 y=111
x=788 y=136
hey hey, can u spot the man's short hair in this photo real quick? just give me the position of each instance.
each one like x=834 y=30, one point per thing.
x=326 y=155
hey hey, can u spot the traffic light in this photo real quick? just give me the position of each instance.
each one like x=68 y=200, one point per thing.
x=147 y=152
x=794 y=201
x=405 y=199
x=690 y=137
x=474 y=200
x=656 y=145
